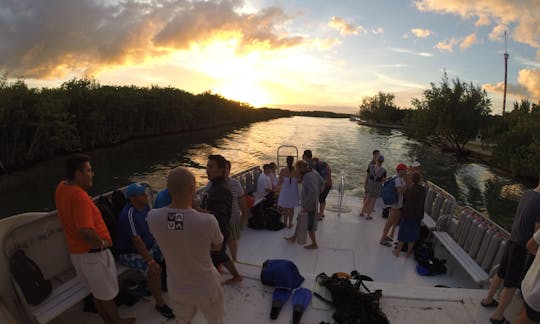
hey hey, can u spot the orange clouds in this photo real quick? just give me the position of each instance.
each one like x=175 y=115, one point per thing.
x=530 y=79
x=421 y=33
x=463 y=43
x=57 y=37
x=528 y=87
x=527 y=22
x=346 y=28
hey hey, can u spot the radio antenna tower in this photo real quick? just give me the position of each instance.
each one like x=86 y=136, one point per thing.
x=505 y=72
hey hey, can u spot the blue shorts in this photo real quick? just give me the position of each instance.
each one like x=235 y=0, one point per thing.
x=136 y=262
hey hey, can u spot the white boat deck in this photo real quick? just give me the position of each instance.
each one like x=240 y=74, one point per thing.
x=346 y=243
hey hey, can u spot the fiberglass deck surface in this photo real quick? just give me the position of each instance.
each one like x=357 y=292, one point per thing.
x=346 y=243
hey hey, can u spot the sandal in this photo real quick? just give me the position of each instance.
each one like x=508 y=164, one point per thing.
x=385 y=243
x=369 y=217
x=493 y=303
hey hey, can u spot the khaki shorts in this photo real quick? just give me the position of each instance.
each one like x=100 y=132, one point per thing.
x=234 y=232
x=185 y=308
x=98 y=272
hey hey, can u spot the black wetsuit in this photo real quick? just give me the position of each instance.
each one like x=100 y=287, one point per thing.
x=218 y=201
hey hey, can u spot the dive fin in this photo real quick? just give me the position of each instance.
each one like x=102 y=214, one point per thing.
x=300 y=299
x=279 y=298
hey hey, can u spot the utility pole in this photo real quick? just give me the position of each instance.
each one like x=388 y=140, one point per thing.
x=505 y=72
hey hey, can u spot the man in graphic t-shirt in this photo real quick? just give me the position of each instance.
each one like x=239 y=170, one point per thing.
x=186 y=238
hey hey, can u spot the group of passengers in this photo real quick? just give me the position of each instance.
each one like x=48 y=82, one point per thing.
x=190 y=232
x=408 y=208
x=316 y=179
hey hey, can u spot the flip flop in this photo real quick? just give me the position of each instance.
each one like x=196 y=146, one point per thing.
x=493 y=303
x=369 y=217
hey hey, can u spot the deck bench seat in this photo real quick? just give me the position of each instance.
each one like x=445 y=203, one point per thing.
x=428 y=221
x=63 y=296
x=474 y=270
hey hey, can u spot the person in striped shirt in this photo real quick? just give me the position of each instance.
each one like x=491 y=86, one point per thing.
x=136 y=246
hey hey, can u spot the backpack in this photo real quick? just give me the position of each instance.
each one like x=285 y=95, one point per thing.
x=389 y=192
x=118 y=200
x=281 y=273
x=273 y=219
x=29 y=277
x=322 y=169
x=107 y=214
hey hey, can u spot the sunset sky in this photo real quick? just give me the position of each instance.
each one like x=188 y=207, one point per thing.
x=295 y=54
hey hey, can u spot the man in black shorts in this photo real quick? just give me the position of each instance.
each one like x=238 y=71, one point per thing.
x=515 y=260
x=326 y=173
x=217 y=200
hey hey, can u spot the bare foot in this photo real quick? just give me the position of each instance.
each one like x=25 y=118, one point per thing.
x=369 y=217
x=395 y=252
x=291 y=239
x=408 y=255
x=129 y=320
x=311 y=247
x=361 y=214
x=233 y=280
x=290 y=225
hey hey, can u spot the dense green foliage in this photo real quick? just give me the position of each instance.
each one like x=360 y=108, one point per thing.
x=381 y=108
x=36 y=124
x=517 y=138
x=449 y=114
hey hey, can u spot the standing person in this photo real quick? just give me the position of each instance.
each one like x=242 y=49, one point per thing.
x=374 y=179
x=412 y=213
x=326 y=173
x=272 y=175
x=288 y=195
x=395 y=209
x=374 y=155
x=308 y=157
x=312 y=186
x=87 y=237
x=187 y=238
x=239 y=211
x=218 y=201
x=137 y=247
x=264 y=185
x=512 y=267
x=416 y=167
x=530 y=286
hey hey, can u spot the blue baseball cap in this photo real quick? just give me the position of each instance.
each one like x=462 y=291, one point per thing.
x=134 y=189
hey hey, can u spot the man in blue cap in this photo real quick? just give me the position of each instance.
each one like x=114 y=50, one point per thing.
x=137 y=247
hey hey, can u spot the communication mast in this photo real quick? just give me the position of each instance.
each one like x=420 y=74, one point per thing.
x=505 y=72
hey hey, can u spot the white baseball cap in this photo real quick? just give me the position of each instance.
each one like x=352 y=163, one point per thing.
x=416 y=164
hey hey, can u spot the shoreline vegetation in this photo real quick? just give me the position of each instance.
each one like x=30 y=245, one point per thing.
x=80 y=115
x=456 y=116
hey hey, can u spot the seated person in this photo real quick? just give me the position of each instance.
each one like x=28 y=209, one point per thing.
x=136 y=246
x=163 y=199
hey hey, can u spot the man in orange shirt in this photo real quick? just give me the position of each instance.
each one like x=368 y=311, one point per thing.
x=87 y=237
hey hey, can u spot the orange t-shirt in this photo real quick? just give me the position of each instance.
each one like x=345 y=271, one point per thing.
x=77 y=210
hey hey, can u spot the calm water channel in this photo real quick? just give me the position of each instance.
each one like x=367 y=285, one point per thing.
x=344 y=144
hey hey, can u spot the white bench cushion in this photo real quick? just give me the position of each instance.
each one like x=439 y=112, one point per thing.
x=428 y=221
